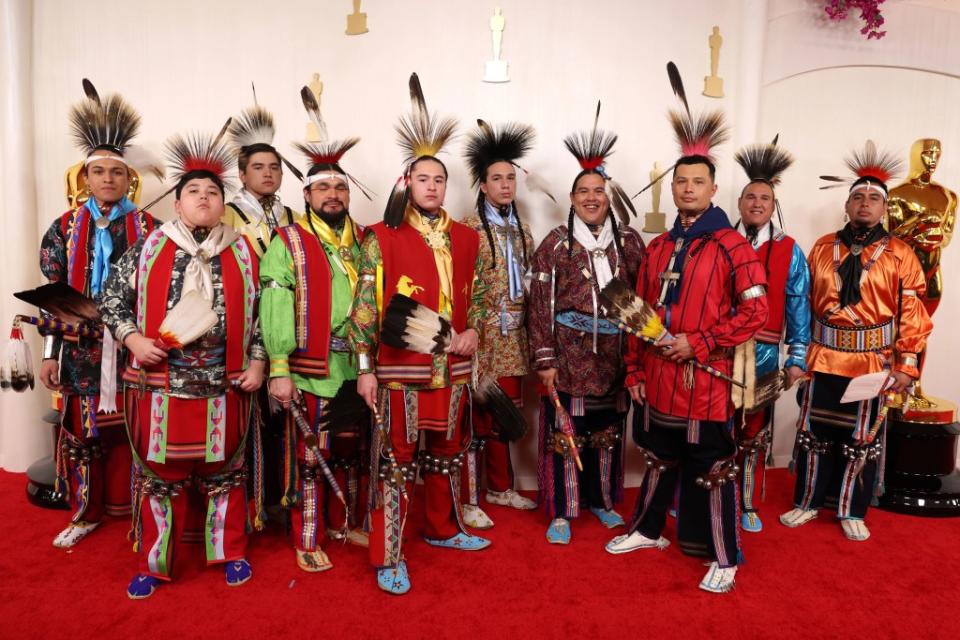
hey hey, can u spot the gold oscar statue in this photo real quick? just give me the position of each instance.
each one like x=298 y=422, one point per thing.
x=923 y=213
x=655 y=221
x=356 y=21
x=713 y=84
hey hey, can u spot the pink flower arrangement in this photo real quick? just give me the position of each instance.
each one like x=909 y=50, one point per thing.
x=869 y=13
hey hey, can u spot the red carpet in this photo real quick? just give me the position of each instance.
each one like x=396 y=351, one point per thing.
x=808 y=582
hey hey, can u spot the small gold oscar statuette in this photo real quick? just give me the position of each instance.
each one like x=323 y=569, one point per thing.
x=655 y=221
x=356 y=21
x=713 y=84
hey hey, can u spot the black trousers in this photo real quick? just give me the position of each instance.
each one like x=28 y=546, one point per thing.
x=828 y=441
x=564 y=488
x=707 y=517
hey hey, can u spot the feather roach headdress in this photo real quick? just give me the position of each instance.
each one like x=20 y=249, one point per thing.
x=325 y=155
x=254 y=127
x=591 y=151
x=764 y=162
x=197 y=152
x=419 y=134
x=697 y=135
x=488 y=144
x=110 y=123
x=869 y=166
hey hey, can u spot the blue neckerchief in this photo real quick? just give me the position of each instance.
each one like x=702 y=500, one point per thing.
x=514 y=268
x=103 y=241
x=713 y=219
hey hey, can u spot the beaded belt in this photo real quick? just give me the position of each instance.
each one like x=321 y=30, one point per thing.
x=583 y=322
x=195 y=358
x=853 y=339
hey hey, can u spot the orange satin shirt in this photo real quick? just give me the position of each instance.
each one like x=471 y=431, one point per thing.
x=896 y=270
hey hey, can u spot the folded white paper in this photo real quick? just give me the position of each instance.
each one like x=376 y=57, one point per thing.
x=866 y=386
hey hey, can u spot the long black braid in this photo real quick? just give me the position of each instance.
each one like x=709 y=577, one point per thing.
x=570 y=233
x=616 y=236
x=482 y=211
x=523 y=239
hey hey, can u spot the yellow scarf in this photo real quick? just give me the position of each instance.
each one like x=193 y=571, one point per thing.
x=437 y=239
x=342 y=245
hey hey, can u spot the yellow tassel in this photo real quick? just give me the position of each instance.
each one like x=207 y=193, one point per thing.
x=258 y=522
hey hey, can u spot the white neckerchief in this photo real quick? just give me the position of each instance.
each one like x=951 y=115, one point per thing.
x=198 y=276
x=596 y=247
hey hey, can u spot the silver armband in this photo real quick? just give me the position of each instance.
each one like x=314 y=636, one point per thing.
x=51 y=348
x=755 y=291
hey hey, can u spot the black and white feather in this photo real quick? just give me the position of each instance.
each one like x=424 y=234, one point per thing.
x=764 y=162
x=103 y=122
x=346 y=412
x=252 y=126
x=313 y=111
x=421 y=133
x=509 y=423
x=407 y=324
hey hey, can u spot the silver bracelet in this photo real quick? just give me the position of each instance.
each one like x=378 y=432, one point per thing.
x=50 y=348
x=364 y=363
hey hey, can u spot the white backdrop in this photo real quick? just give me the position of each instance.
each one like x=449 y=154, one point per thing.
x=189 y=65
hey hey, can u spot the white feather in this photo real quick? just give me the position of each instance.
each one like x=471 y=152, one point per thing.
x=188 y=320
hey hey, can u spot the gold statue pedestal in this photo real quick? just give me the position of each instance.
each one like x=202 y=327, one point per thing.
x=713 y=87
x=42 y=474
x=921 y=476
x=654 y=222
x=356 y=24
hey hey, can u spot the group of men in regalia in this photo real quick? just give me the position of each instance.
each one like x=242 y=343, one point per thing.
x=327 y=368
